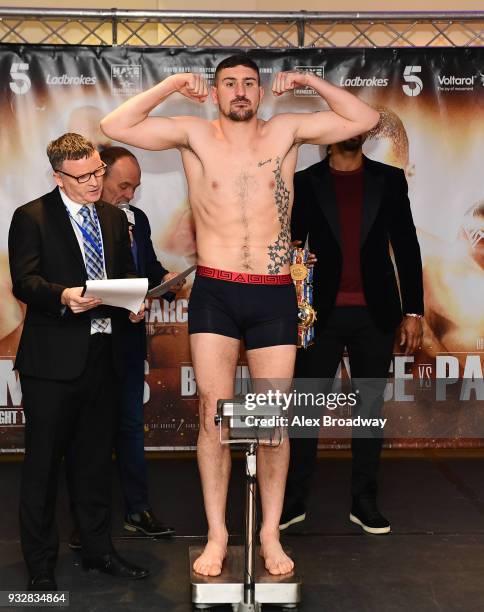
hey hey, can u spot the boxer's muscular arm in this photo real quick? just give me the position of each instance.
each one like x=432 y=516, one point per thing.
x=130 y=123
x=348 y=116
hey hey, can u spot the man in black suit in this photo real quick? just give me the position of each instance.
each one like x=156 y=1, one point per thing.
x=123 y=177
x=352 y=209
x=69 y=356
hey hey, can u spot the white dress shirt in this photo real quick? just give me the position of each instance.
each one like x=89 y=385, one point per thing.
x=74 y=208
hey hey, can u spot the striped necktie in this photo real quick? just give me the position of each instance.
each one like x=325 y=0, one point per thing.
x=93 y=255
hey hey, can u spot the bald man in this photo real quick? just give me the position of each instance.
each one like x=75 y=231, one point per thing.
x=351 y=209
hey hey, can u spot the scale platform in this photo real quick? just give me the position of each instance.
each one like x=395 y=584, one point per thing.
x=228 y=588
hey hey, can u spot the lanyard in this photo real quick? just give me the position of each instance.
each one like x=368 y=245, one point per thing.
x=97 y=246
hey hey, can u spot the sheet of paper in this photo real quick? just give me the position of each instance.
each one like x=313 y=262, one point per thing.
x=165 y=287
x=126 y=293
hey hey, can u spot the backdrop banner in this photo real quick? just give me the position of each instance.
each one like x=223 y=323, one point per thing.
x=432 y=104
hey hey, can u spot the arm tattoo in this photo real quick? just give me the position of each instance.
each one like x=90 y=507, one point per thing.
x=279 y=250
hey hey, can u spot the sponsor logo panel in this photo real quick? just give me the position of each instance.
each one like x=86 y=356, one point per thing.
x=309 y=91
x=359 y=81
x=454 y=82
x=126 y=79
x=413 y=83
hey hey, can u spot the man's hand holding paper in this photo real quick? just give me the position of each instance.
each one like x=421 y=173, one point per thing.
x=73 y=299
x=179 y=285
x=173 y=281
x=126 y=293
x=137 y=318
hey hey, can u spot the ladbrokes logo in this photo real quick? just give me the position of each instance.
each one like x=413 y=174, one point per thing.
x=65 y=79
x=358 y=81
x=454 y=82
x=126 y=79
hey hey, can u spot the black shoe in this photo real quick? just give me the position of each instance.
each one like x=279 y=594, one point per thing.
x=44 y=581
x=147 y=523
x=364 y=512
x=114 y=565
x=292 y=514
x=75 y=540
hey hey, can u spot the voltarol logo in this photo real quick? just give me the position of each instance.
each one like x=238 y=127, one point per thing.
x=413 y=83
x=126 y=79
x=358 y=81
x=309 y=91
x=453 y=82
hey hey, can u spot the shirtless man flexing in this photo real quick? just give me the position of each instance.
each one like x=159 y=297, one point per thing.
x=240 y=172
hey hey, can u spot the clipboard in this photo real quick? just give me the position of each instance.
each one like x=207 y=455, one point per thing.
x=165 y=287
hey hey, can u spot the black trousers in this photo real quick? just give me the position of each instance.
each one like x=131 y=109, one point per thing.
x=370 y=352
x=75 y=416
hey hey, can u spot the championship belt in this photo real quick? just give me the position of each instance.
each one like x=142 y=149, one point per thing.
x=302 y=276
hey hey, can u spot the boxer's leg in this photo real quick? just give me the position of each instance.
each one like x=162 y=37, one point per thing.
x=214 y=358
x=273 y=362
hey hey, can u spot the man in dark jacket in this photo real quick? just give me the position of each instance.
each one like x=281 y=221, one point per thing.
x=69 y=357
x=123 y=176
x=352 y=210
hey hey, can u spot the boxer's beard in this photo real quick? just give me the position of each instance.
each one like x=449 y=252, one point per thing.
x=245 y=116
x=242 y=114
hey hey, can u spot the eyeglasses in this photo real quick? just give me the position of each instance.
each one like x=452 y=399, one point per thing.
x=84 y=178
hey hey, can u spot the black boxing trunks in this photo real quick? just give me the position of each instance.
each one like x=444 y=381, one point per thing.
x=261 y=309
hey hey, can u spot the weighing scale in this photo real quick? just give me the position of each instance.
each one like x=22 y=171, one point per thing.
x=244 y=582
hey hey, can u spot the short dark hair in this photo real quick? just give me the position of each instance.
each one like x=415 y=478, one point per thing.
x=68 y=146
x=110 y=155
x=236 y=60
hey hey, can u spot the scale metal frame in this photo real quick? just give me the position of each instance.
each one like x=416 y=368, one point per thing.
x=244 y=582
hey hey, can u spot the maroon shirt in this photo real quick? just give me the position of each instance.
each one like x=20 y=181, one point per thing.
x=348 y=186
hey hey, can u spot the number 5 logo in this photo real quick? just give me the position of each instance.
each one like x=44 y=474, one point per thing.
x=410 y=77
x=20 y=83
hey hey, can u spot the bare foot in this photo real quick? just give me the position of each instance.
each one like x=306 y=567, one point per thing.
x=276 y=560
x=209 y=563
